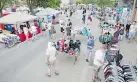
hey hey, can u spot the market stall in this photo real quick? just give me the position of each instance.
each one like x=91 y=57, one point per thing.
x=48 y=12
x=23 y=9
x=16 y=19
x=4 y=13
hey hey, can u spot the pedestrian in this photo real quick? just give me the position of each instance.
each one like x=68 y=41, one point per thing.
x=83 y=18
x=53 y=19
x=90 y=46
x=70 y=24
x=51 y=54
x=26 y=32
x=89 y=19
x=99 y=62
x=89 y=33
x=132 y=31
x=62 y=26
x=85 y=32
x=53 y=31
x=127 y=29
x=121 y=32
x=34 y=32
x=49 y=30
x=68 y=30
x=71 y=13
x=44 y=27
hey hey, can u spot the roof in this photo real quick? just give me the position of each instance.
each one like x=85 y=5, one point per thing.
x=13 y=18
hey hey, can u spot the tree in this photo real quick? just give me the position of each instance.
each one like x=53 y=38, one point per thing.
x=32 y=4
x=35 y=3
x=5 y=3
x=54 y=3
x=104 y=3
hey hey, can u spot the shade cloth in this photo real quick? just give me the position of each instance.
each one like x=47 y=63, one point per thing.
x=16 y=17
x=47 y=11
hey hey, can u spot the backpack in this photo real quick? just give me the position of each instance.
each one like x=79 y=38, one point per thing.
x=121 y=32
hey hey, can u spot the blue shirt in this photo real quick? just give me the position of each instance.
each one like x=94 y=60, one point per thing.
x=90 y=43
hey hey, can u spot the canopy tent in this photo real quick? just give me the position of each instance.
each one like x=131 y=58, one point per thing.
x=15 y=17
x=22 y=8
x=39 y=9
x=4 y=12
x=47 y=11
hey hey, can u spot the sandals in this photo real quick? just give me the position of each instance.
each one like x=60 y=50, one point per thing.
x=56 y=73
x=48 y=75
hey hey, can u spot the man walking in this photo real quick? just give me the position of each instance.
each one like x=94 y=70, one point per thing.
x=90 y=46
x=132 y=31
x=127 y=29
x=51 y=59
x=99 y=62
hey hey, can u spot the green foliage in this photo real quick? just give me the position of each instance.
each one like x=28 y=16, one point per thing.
x=6 y=3
x=54 y=3
x=102 y=3
x=90 y=1
x=42 y=3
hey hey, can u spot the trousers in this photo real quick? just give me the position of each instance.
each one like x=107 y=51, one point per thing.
x=52 y=67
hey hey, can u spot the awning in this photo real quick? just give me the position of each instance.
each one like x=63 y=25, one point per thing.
x=13 y=18
x=47 y=11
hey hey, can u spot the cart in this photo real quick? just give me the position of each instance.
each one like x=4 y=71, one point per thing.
x=71 y=51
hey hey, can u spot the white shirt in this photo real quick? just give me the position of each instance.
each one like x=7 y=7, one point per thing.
x=51 y=53
x=33 y=28
x=43 y=25
x=49 y=26
x=133 y=28
x=99 y=58
x=25 y=29
x=61 y=23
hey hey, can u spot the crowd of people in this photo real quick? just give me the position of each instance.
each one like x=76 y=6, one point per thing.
x=98 y=58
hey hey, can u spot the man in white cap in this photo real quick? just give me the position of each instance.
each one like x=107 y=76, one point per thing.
x=51 y=59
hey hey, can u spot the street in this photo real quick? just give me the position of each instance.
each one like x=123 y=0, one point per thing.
x=26 y=61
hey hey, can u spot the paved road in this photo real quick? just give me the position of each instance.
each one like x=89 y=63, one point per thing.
x=26 y=61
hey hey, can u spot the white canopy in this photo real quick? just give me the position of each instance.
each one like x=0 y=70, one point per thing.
x=22 y=8
x=39 y=8
x=16 y=17
x=47 y=11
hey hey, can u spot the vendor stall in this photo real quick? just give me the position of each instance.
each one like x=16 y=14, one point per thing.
x=49 y=12
x=4 y=12
x=9 y=39
x=23 y=9
x=15 y=19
